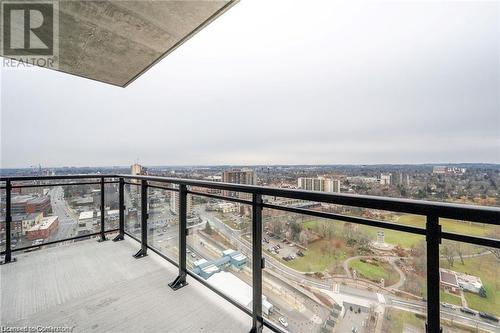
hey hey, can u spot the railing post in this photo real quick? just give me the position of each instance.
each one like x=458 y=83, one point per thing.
x=121 y=207
x=257 y=264
x=433 y=239
x=180 y=280
x=8 y=224
x=103 y=212
x=144 y=221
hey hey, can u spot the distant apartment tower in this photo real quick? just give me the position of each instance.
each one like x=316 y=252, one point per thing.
x=386 y=179
x=137 y=170
x=238 y=176
x=174 y=203
x=321 y=184
x=401 y=178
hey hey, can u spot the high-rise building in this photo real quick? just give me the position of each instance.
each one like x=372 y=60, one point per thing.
x=174 y=203
x=332 y=185
x=136 y=170
x=320 y=184
x=238 y=176
x=401 y=178
x=386 y=179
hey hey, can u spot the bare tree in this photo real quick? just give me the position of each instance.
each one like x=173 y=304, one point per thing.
x=495 y=235
x=449 y=254
x=458 y=247
x=495 y=252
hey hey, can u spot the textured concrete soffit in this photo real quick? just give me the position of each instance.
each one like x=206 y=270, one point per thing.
x=115 y=41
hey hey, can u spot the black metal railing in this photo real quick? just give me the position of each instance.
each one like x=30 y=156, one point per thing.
x=432 y=231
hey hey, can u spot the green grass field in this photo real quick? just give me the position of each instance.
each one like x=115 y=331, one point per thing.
x=472 y=229
x=488 y=269
x=407 y=240
x=317 y=258
x=375 y=272
x=448 y=298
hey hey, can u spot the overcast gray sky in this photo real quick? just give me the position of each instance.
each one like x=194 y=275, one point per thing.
x=281 y=82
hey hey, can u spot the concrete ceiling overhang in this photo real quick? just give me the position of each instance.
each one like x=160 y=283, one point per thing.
x=116 y=41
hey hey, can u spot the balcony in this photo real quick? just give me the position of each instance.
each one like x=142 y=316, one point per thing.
x=100 y=287
x=175 y=265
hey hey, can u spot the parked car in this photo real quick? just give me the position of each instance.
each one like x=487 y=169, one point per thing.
x=467 y=310
x=300 y=253
x=447 y=305
x=193 y=255
x=36 y=243
x=488 y=316
x=283 y=321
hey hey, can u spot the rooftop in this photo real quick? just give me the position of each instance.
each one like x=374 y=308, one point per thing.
x=100 y=287
x=86 y=215
x=46 y=223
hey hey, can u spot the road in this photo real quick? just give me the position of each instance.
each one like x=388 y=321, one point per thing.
x=68 y=220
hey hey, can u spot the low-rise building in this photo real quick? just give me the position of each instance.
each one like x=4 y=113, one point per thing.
x=39 y=205
x=43 y=230
x=85 y=223
x=31 y=220
x=236 y=259
x=455 y=281
x=230 y=258
x=224 y=207
x=448 y=281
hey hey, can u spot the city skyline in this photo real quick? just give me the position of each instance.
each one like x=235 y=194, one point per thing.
x=414 y=83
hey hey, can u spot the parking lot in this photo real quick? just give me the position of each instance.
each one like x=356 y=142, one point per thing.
x=355 y=319
x=282 y=248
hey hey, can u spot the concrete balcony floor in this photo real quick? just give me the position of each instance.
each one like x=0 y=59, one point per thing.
x=99 y=287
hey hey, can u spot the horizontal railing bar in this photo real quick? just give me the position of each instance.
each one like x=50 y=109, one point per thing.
x=351 y=219
x=220 y=197
x=79 y=176
x=163 y=188
x=196 y=277
x=489 y=242
x=130 y=183
x=484 y=214
x=61 y=240
x=63 y=184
